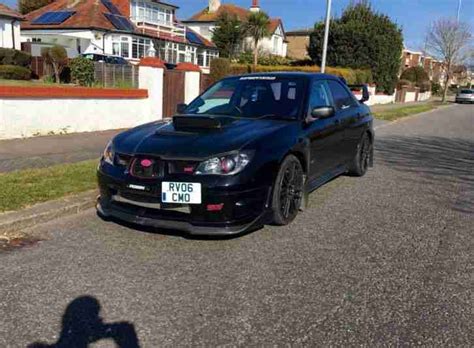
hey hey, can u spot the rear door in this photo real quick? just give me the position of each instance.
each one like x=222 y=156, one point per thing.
x=348 y=114
x=325 y=135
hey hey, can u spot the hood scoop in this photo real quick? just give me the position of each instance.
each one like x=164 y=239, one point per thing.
x=187 y=123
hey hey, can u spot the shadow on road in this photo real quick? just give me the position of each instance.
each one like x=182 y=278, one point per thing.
x=438 y=160
x=82 y=326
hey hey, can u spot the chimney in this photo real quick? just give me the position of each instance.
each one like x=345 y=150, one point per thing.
x=214 y=5
x=255 y=6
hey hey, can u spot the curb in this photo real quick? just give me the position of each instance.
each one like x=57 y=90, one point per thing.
x=15 y=221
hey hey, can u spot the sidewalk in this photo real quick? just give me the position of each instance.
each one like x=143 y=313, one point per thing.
x=45 y=151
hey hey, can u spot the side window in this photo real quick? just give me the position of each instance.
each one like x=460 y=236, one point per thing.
x=319 y=95
x=342 y=98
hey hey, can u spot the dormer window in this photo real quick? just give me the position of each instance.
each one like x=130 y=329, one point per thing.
x=150 y=12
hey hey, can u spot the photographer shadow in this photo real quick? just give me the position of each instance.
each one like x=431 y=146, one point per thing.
x=82 y=326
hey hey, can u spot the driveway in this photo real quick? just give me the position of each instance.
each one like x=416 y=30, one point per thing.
x=382 y=260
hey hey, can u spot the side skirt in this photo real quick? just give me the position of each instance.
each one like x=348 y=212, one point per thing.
x=320 y=181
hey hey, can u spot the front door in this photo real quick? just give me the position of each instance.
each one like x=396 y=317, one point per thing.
x=325 y=135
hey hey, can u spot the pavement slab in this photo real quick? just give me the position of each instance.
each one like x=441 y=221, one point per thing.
x=383 y=260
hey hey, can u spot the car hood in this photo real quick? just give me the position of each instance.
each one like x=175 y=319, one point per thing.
x=166 y=140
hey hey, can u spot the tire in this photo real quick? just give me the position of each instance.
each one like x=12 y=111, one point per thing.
x=288 y=191
x=360 y=163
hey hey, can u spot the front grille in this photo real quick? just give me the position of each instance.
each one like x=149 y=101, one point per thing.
x=182 y=167
x=146 y=167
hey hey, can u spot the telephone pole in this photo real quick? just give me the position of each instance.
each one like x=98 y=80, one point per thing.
x=459 y=9
x=326 y=36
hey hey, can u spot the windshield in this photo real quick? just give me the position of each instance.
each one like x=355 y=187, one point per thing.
x=467 y=91
x=252 y=97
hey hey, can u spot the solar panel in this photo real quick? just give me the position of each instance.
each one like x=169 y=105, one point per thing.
x=111 y=7
x=54 y=17
x=119 y=22
x=193 y=38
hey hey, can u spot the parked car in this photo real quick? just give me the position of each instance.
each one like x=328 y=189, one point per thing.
x=246 y=152
x=105 y=58
x=465 y=96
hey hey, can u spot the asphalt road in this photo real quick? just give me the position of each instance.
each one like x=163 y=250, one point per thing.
x=382 y=260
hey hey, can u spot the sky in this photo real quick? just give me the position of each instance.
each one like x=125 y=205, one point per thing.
x=413 y=16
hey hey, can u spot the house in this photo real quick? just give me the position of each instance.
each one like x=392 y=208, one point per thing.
x=204 y=22
x=9 y=28
x=298 y=42
x=434 y=68
x=128 y=28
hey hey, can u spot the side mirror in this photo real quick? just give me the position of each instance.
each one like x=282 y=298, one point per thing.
x=365 y=94
x=181 y=108
x=364 y=89
x=321 y=112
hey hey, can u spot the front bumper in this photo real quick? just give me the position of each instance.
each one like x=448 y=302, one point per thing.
x=243 y=207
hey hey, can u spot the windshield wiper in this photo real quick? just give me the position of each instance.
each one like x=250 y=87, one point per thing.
x=275 y=117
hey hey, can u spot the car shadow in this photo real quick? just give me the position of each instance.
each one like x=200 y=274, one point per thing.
x=438 y=161
x=177 y=233
x=83 y=326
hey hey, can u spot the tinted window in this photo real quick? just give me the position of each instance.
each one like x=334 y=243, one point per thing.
x=467 y=91
x=342 y=98
x=319 y=95
x=252 y=97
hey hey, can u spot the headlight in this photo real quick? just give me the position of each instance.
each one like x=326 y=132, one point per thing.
x=225 y=165
x=109 y=153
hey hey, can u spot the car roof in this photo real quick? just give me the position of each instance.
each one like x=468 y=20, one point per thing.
x=293 y=74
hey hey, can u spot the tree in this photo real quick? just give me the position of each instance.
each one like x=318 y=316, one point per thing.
x=27 y=6
x=57 y=57
x=362 y=39
x=257 y=28
x=418 y=76
x=448 y=40
x=228 y=35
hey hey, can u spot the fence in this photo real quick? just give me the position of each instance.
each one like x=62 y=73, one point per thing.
x=40 y=68
x=116 y=75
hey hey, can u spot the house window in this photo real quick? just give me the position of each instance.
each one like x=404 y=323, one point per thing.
x=140 y=47
x=121 y=46
x=275 y=44
x=149 y=12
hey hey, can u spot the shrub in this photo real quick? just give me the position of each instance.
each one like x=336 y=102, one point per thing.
x=220 y=67
x=404 y=83
x=425 y=86
x=435 y=88
x=82 y=71
x=10 y=56
x=14 y=72
x=263 y=59
x=350 y=75
x=415 y=74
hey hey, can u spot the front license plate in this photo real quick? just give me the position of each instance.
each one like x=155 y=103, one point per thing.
x=181 y=192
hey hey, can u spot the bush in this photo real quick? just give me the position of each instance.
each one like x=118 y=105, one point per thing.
x=350 y=75
x=418 y=76
x=14 y=72
x=404 y=83
x=263 y=59
x=82 y=71
x=220 y=67
x=435 y=88
x=10 y=56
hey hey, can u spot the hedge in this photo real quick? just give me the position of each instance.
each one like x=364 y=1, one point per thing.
x=10 y=56
x=352 y=76
x=13 y=72
x=82 y=71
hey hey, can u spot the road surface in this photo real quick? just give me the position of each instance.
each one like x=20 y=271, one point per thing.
x=382 y=260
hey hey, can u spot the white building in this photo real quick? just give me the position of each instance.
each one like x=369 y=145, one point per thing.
x=9 y=28
x=204 y=23
x=131 y=29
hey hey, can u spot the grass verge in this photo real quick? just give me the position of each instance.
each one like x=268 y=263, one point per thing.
x=23 y=188
x=393 y=114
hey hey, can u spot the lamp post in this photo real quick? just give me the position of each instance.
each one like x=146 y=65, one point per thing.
x=326 y=36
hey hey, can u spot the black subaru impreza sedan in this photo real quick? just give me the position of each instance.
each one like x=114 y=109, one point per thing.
x=245 y=153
